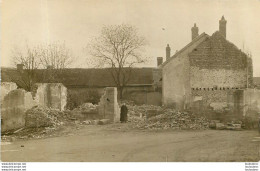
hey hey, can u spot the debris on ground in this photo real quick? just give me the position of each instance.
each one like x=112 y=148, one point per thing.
x=86 y=107
x=232 y=125
x=41 y=122
x=43 y=117
x=156 y=118
x=86 y=111
x=104 y=121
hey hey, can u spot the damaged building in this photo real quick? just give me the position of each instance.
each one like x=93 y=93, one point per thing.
x=208 y=73
x=15 y=102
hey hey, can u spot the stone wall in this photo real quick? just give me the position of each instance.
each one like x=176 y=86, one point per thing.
x=157 y=79
x=218 y=103
x=6 y=87
x=108 y=107
x=52 y=95
x=13 y=109
x=221 y=78
x=252 y=102
x=217 y=62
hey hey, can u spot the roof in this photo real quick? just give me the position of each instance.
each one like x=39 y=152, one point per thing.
x=217 y=52
x=91 y=77
x=202 y=35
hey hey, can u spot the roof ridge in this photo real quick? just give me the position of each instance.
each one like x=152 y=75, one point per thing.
x=185 y=47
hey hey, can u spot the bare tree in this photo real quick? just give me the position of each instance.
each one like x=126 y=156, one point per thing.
x=55 y=57
x=51 y=59
x=118 y=47
x=29 y=60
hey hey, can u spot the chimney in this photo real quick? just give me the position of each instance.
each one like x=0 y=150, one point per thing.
x=194 y=32
x=168 y=52
x=19 y=67
x=159 y=61
x=222 y=26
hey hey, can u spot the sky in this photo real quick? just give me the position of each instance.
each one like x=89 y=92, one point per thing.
x=76 y=22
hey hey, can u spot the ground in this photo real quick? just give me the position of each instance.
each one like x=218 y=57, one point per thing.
x=117 y=143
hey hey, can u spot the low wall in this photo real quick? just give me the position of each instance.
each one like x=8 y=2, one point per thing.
x=13 y=109
x=52 y=95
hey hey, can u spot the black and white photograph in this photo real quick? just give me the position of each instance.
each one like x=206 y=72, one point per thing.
x=130 y=81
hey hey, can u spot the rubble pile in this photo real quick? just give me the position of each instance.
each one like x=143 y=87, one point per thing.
x=44 y=117
x=232 y=125
x=86 y=107
x=165 y=118
x=141 y=111
x=86 y=111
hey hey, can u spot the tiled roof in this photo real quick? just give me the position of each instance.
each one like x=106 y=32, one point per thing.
x=87 y=77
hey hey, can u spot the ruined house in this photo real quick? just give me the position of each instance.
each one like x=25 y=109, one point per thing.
x=206 y=73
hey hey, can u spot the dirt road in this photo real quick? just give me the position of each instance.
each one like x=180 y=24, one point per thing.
x=112 y=143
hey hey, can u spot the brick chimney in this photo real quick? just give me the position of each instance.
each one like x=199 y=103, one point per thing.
x=19 y=67
x=194 y=32
x=222 y=26
x=168 y=52
x=159 y=61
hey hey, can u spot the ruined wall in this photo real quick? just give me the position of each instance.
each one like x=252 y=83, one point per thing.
x=78 y=96
x=13 y=109
x=6 y=87
x=157 y=79
x=53 y=95
x=176 y=78
x=252 y=102
x=108 y=107
x=218 y=103
x=218 y=63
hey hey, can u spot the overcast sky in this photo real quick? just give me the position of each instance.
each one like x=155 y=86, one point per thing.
x=77 y=21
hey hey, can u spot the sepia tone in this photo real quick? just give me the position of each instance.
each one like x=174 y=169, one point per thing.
x=96 y=89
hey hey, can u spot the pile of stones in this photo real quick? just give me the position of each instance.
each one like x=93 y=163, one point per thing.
x=43 y=117
x=157 y=118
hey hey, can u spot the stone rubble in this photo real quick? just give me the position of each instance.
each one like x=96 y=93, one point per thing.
x=86 y=107
x=43 y=117
x=165 y=118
